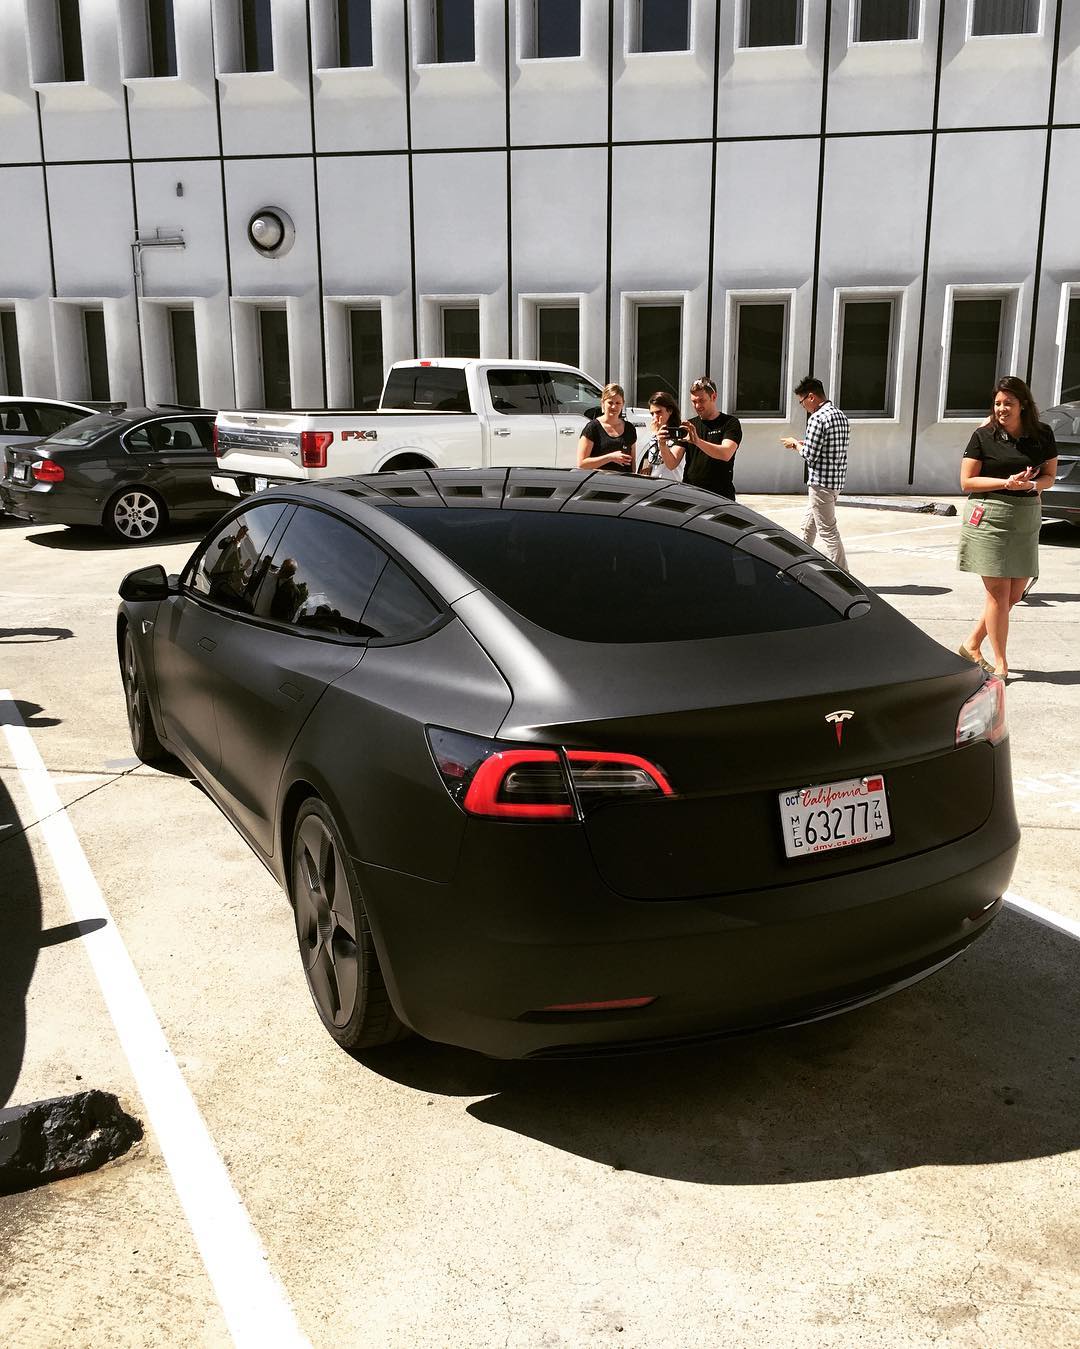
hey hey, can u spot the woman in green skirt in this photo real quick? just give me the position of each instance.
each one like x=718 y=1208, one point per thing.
x=1007 y=463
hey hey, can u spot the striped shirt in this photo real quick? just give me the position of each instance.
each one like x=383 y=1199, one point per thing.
x=825 y=447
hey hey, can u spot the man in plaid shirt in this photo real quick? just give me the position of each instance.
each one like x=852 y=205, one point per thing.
x=825 y=451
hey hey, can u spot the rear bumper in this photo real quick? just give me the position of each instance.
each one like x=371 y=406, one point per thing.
x=473 y=963
x=47 y=507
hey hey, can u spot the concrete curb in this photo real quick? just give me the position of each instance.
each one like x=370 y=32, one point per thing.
x=64 y=1136
x=908 y=504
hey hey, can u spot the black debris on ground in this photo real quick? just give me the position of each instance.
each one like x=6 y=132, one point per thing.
x=65 y=1136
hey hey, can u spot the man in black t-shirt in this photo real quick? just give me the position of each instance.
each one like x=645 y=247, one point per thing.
x=714 y=438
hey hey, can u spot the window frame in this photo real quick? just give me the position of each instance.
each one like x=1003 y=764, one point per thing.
x=1008 y=341
x=528 y=34
x=630 y=303
x=431 y=321
x=971 y=36
x=786 y=296
x=897 y=296
x=1070 y=293
x=431 y=45
x=333 y=9
x=741 y=24
x=855 y=13
x=529 y=306
x=632 y=26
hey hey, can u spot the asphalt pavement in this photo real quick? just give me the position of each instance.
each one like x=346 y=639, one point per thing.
x=901 y=1175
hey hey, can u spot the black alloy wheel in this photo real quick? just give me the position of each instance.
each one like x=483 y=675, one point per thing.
x=144 y=738
x=135 y=515
x=332 y=932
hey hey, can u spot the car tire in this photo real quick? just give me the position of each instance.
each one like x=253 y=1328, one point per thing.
x=334 y=937
x=144 y=738
x=135 y=515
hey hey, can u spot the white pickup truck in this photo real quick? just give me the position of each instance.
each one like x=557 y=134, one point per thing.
x=439 y=413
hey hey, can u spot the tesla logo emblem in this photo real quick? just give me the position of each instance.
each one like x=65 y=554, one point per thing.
x=838 y=719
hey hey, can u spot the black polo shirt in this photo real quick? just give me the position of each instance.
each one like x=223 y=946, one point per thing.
x=701 y=470
x=1002 y=456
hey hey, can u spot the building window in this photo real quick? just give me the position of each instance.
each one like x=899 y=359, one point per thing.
x=657 y=352
x=461 y=330
x=257 y=34
x=185 y=356
x=354 y=33
x=760 y=349
x=274 y=359
x=554 y=29
x=69 y=23
x=455 y=31
x=161 y=29
x=998 y=18
x=97 y=355
x=867 y=341
x=10 y=366
x=366 y=357
x=558 y=333
x=662 y=26
x=771 y=23
x=1070 y=364
x=975 y=354
x=886 y=21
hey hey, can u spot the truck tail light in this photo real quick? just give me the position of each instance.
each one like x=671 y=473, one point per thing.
x=313 y=447
x=982 y=717
x=48 y=470
x=496 y=780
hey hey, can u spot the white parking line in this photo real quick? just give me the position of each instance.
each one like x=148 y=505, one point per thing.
x=256 y=1308
x=911 y=529
x=1057 y=921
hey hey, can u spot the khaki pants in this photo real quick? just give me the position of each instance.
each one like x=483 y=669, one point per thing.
x=820 y=518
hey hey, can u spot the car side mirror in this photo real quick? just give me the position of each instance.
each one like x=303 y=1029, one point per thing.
x=591 y=412
x=149 y=583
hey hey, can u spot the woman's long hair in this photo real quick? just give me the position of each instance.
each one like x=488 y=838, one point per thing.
x=665 y=400
x=1029 y=413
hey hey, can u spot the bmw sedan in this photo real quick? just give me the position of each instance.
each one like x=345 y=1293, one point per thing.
x=129 y=471
x=552 y=763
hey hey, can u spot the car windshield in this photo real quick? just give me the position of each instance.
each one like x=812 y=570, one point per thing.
x=85 y=431
x=598 y=578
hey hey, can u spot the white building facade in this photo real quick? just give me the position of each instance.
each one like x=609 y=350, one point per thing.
x=263 y=203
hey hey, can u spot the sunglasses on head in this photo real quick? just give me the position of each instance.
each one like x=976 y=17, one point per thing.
x=703 y=386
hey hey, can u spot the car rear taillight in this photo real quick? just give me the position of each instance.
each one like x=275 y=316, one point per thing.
x=982 y=717
x=501 y=781
x=313 y=447
x=48 y=470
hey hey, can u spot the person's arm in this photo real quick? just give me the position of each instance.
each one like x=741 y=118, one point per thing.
x=811 y=445
x=972 y=480
x=724 y=450
x=672 y=457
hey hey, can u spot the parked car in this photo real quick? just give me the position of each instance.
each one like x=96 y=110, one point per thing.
x=26 y=419
x=553 y=761
x=129 y=471
x=1062 y=500
x=443 y=413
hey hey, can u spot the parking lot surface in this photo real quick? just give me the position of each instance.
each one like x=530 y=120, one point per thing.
x=901 y=1175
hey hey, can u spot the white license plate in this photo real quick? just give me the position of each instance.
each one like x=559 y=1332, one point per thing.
x=21 y=473
x=834 y=815
x=261 y=484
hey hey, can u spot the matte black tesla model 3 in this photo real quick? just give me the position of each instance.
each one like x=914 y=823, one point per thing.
x=552 y=761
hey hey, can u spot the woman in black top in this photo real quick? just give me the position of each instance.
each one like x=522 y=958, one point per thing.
x=608 y=441
x=1007 y=463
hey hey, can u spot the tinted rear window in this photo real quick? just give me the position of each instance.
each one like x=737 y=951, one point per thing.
x=598 y=578
x=87 y=430
x=430 y=388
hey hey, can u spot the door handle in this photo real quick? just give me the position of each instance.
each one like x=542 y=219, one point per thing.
x=566 y=430
x=501 y=431
x=207 y=643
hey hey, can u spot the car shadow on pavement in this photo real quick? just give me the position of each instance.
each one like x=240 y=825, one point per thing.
x=911 y=590
x=74 y=538
x=20 y=923
x=24 y=636
x=977 y=1064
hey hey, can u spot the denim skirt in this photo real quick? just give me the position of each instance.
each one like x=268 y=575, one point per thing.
x=1005 y=542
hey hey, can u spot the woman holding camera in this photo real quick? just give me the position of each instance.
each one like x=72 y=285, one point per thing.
x=1007 y=463
x=663 y=456
x=608 y=441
